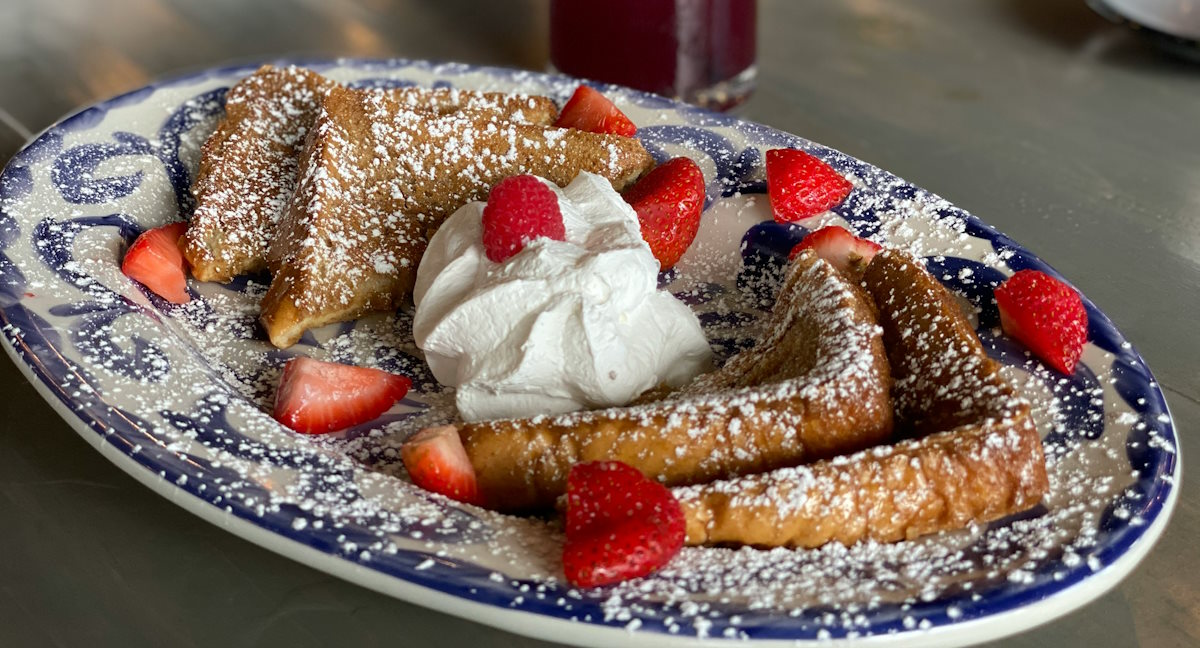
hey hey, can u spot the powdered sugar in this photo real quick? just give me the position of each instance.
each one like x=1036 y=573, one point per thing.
x=197 y=385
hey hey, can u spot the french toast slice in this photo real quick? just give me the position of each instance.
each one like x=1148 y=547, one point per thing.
x=974 y=454
x=377 y=178
x=815 y=386
x=248 y=167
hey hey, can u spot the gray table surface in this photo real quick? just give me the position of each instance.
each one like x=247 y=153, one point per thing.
x=1074 y=136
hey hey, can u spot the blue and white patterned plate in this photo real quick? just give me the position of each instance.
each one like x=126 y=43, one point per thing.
x=177 y=396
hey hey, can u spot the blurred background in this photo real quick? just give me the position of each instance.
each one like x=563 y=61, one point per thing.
x=1074 y=134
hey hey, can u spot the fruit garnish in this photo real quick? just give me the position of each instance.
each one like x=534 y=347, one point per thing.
x=800 y=185
x=668 y=202
x=155 y=261
x=591 y=111
x=841 y=249
x=1045 y=315
x=620 y=525
x=315 y=397
x=519 y=209
x=436 y=461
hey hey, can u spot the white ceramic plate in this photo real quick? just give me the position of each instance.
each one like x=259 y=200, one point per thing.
x=1178 y=18
x=177 y=396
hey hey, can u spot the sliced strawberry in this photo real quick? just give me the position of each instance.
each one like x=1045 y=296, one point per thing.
x=800 y=185
x=619 y=524
x=315 y=397
x=155 y=261
x=591 y=111
x=668 y=202
x=519 y=209
x=598 y=492
x=845 y=251
x=1045 y=315
x=436 y=461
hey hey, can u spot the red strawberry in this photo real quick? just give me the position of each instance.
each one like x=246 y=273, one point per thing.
x=1045 y=315
x=156 y=262
x=800 y=185
x=840 y=248
x=436 y=461
x=591 y=111
x=620 y=525
x=519 y=209
x=668 y=202
x=315 y=397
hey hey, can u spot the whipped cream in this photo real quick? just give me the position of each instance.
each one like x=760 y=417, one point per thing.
x=561 y=325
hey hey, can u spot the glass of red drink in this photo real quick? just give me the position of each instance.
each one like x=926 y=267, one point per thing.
x=701 y=51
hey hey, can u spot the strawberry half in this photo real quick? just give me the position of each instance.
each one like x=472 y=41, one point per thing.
x=619 y=524
x=1045 y=315
x=668 y=202
x=800 y=185
x=315 y=397
x=155 y=261
x=436 y=461
x=591 y=111
x=843 y=250
x=519 y=209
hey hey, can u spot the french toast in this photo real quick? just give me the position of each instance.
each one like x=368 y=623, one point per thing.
x=248 y=167
x=974 y=454
x=377 y=178
x=815 y=386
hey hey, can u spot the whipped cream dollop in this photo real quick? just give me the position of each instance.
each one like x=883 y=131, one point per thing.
x=559 y=326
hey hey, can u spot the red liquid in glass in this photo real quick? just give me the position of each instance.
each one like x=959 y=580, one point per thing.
x=671 y=47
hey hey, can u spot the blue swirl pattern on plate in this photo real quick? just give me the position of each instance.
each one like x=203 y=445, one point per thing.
x=64 y=328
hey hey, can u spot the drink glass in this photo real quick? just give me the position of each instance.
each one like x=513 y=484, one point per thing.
x=700 y=51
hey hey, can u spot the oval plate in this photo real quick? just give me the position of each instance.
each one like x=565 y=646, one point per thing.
x=177 y=397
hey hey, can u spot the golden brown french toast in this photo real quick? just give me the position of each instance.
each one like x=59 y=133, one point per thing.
x=248 y=167
x=976 y=455
x=817 y=385
x=377 y=178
